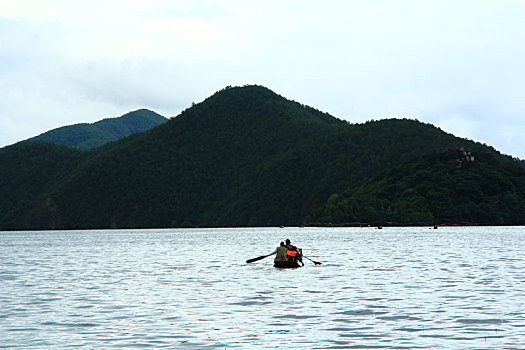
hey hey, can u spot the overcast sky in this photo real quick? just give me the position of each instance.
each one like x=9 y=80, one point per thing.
x=456 y=64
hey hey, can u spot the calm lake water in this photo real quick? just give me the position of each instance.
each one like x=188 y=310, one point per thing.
x=395 y=288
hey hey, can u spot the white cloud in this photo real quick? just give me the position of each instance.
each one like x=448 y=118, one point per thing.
x=444 y=62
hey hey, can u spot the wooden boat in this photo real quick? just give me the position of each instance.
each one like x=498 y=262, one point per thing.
x=293 y=260
x=287 y=264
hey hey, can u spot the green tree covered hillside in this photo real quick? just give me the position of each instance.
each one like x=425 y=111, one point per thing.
x=243 y=157
x=452 y=187
x=86 y=136
x=29 y=173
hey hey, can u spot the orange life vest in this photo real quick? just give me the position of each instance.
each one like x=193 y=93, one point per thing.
x=291 y=255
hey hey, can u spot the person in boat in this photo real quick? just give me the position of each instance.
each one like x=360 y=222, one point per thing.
x=280 y=252
x=289 y=245
x=293 y=253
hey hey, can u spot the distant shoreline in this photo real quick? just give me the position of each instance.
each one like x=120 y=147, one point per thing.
x=375 y=226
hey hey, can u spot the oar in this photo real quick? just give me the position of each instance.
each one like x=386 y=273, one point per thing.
x=258 y=258
x=315 y=262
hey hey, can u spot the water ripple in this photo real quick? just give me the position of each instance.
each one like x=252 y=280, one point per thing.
x=398 y=288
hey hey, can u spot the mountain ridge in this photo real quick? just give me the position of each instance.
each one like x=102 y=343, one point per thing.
x=85 y=136
x=244 y=156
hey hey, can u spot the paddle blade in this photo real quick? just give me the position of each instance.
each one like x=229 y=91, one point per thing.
x=315 y=262
x=256 y=259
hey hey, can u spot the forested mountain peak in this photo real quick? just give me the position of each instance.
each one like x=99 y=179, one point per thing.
x=140 y=119
x=86 y=136
x=252 y=103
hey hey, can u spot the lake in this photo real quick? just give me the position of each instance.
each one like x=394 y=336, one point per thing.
x=395 y=288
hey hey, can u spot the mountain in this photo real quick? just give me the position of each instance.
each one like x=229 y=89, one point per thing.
x=451 y=187
x=243 y=157
x=85 y=136
x=29 y=173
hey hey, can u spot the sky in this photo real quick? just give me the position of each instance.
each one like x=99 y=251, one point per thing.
x=458 y=64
